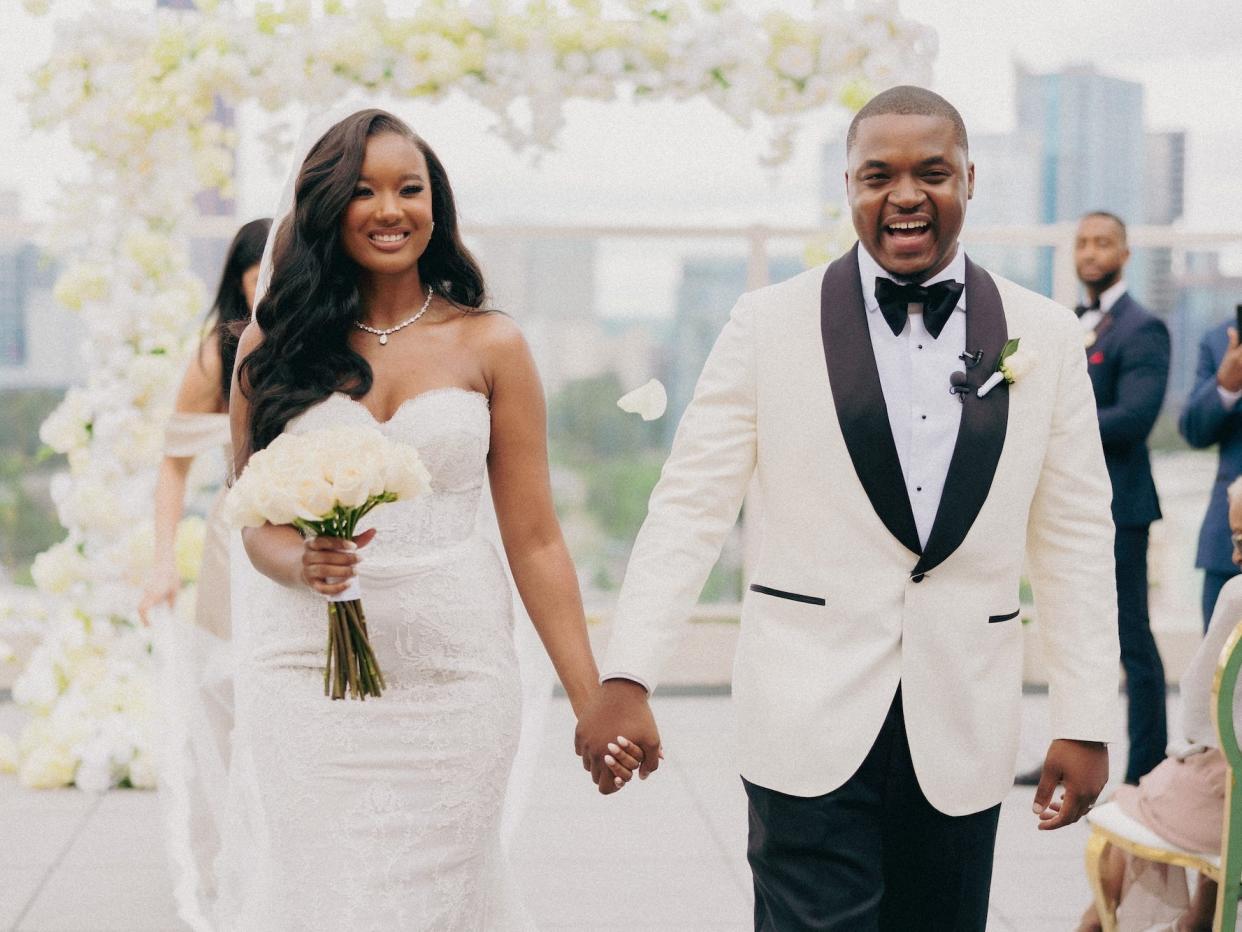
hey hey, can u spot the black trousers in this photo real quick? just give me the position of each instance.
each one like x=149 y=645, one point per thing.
x=1145 y=690
x=873 y=854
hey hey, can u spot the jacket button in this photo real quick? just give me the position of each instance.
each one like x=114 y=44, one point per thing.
x=917 y=577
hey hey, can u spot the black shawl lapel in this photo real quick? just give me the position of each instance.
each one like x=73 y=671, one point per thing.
x=859 y=399
x=981 y=434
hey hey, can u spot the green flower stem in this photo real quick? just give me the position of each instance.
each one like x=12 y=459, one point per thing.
x=350 y=668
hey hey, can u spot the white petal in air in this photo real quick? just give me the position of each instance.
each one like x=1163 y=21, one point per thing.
x=647 y=401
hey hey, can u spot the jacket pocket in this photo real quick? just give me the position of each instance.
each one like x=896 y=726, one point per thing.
x=793 y=596
x=993 y=619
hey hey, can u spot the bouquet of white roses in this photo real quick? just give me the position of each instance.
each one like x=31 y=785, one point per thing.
x=322 y=482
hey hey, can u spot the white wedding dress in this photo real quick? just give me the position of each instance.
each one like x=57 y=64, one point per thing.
x=383 y=814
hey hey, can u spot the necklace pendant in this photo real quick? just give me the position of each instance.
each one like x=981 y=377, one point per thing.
x=383 y=339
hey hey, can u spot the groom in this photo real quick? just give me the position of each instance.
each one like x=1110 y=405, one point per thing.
x=878 y=676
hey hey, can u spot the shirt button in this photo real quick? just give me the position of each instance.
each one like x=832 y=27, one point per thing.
x=918 y=488
x=920 y=346
x=924 y=417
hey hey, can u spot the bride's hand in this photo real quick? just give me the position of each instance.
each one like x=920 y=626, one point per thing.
x=330 y=563
x=623 y=759
x=163 y=586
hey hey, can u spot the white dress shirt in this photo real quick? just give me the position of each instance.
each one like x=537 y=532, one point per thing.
x=914 y=372
x=1108 y=297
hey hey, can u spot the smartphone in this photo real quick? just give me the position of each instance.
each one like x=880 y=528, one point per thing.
x=1238 y=320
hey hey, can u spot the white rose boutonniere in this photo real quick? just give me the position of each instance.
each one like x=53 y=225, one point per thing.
x=1013 y=364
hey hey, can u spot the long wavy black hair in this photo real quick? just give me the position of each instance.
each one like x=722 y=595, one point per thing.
x=308 y=311
x=230 y=312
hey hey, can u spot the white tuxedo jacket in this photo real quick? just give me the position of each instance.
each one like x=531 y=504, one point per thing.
x=844 y=603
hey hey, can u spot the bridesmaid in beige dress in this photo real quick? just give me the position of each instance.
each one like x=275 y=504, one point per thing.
x=193 y=664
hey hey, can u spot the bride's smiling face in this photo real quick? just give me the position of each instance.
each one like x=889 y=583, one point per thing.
x=387 y=224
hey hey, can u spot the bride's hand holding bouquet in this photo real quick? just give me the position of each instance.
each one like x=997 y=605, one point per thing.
x=323 y=482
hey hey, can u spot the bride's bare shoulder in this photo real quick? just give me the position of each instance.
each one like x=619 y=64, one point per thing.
x=495 y=333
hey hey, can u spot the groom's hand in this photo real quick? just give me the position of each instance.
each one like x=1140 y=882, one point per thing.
x=1082 y=768
x=618 y=707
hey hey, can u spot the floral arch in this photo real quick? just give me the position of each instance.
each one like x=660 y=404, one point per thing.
x=139 y=97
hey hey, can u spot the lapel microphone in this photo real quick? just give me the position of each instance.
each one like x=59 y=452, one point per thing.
x=958 y=386
x=971 y=359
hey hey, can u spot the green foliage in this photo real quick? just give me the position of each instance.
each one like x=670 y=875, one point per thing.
x=617 y=494
x=586 y=425
x=28 y=523
x=618 y=458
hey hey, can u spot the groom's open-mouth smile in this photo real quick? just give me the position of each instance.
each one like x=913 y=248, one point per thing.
x=908 y=231
x=907 y=236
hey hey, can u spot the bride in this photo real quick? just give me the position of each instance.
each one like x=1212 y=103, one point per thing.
x=385 y=814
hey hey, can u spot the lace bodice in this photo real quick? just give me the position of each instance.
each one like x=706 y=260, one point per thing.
x=453 y=445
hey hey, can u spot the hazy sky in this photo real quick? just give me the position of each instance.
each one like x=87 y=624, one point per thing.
x=685 y=163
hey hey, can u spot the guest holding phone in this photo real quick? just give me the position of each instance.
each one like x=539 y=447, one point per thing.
x=1212 y=417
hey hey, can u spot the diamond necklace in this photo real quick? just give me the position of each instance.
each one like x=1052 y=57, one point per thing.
x=384 y=334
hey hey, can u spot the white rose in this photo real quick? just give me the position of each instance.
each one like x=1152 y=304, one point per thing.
x=96 y=772
x=1018 y=364
x=796 y=61
x=316 y=495
x=68 y=427
x=81 y=283
x=47 y=767
x=647 y=401
x=404 y=473
x=142 y=771
x=609 y=62
x=58 y=568
x=188 y=547
x=8 y=754
x=351 y=485
x=240 y=509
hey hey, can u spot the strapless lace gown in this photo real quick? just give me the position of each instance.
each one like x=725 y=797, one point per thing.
x=383 y=814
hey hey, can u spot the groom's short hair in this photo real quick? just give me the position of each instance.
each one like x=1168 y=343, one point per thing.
x=909 y=100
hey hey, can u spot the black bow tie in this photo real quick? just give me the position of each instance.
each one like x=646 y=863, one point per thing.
x=938 y=302
x=1083 y=308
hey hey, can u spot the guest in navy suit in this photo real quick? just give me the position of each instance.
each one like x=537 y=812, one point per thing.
x=1128 y=361
x=1212 y=416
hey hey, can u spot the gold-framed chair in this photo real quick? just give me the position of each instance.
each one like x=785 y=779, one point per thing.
x=1109 y=825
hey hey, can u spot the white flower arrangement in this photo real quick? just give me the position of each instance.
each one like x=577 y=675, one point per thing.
x=138 y=96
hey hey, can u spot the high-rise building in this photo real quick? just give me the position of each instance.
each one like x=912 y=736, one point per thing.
x=1164 y=196
x=1091 y=144
x=709 y=288
x=38 y=339
x=1089 y=129
x=1008 y=192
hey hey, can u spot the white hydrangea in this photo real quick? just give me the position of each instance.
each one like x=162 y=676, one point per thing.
x=60 y=566
x=69 y=426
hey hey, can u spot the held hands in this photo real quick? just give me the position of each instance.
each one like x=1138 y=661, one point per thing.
x=1081 y=767
x=162 y=587
x=1229 y=375
x=617 y=735
x=329 y=563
